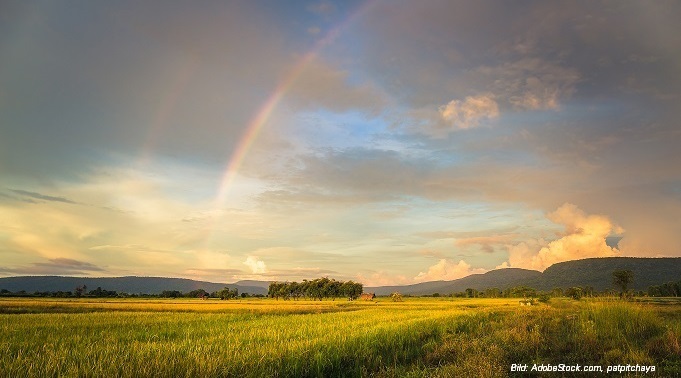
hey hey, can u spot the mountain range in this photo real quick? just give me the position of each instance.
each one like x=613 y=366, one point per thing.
x=133 y=285
x=595 y=272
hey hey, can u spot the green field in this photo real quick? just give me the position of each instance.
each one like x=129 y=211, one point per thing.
x=263 y=337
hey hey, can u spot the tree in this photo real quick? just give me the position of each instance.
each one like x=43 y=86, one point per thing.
x=316 y=289
x=226 y=293
x=574 y=292
x=396 y=297
x=622 y=279
x=523 y=291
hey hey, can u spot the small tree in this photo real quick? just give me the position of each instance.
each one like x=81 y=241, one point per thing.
x=622 y=279
x=574 y=292
x=396 y=297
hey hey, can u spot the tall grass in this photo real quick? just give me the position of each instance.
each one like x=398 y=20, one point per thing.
x=486 y=343
x=258 y=338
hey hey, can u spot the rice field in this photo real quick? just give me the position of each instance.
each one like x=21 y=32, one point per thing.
x=419 y=337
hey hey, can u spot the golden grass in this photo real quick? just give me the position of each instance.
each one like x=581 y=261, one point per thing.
x=265 y=337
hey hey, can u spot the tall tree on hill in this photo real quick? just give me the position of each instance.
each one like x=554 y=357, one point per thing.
x=622 y=279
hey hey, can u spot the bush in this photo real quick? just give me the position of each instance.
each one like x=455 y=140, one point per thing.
x=574 y=293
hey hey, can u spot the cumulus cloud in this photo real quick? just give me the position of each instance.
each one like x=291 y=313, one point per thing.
x=470 y=112
x=382 y=278
x=257 y=266
x=584 y=236
x=447 y=270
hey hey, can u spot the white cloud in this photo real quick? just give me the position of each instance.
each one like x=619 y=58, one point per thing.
x=257 y=266
x=382 y=278
x=447 y=270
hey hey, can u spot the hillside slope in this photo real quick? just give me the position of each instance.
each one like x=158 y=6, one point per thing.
x=500 y=278
x=133 y=285
x=597 y=272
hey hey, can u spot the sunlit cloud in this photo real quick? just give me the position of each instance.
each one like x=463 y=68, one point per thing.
x=447 y=270
x=584 y=237
x=469 y=112
x=256 y=265
x=382 y=278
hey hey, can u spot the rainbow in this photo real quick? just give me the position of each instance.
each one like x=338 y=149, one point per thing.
x=263 y=115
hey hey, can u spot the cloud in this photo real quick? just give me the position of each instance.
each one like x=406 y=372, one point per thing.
x=486 y=243
x=321 y=85
x=256 y=265
x=44 y=197
x=447 y=270
x=70 y=263
x=470 y=112
x=209 y=271
x=211 y=68
x=532 y=83
x=56 y=266
x=213 y=275
x=584 y=236
x=381 y=278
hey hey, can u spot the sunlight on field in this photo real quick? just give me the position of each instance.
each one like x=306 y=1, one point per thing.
x=41 y=305
x=264 y=337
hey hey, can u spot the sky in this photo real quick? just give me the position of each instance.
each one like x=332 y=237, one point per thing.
x=386 y=142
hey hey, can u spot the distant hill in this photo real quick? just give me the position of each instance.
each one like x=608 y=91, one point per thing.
x=595 y=272
x=500 y=278
x=132 y=285
x=264 y=284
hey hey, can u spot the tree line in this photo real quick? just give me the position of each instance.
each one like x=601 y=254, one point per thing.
x=622 y=279
x=669 y=289
x=316 y=289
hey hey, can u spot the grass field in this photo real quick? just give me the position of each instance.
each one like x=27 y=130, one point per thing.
x=263 y=337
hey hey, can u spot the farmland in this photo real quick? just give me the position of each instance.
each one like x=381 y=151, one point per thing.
x=264 y=337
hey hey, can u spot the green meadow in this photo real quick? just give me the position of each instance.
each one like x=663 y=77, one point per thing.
x=418 y=337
